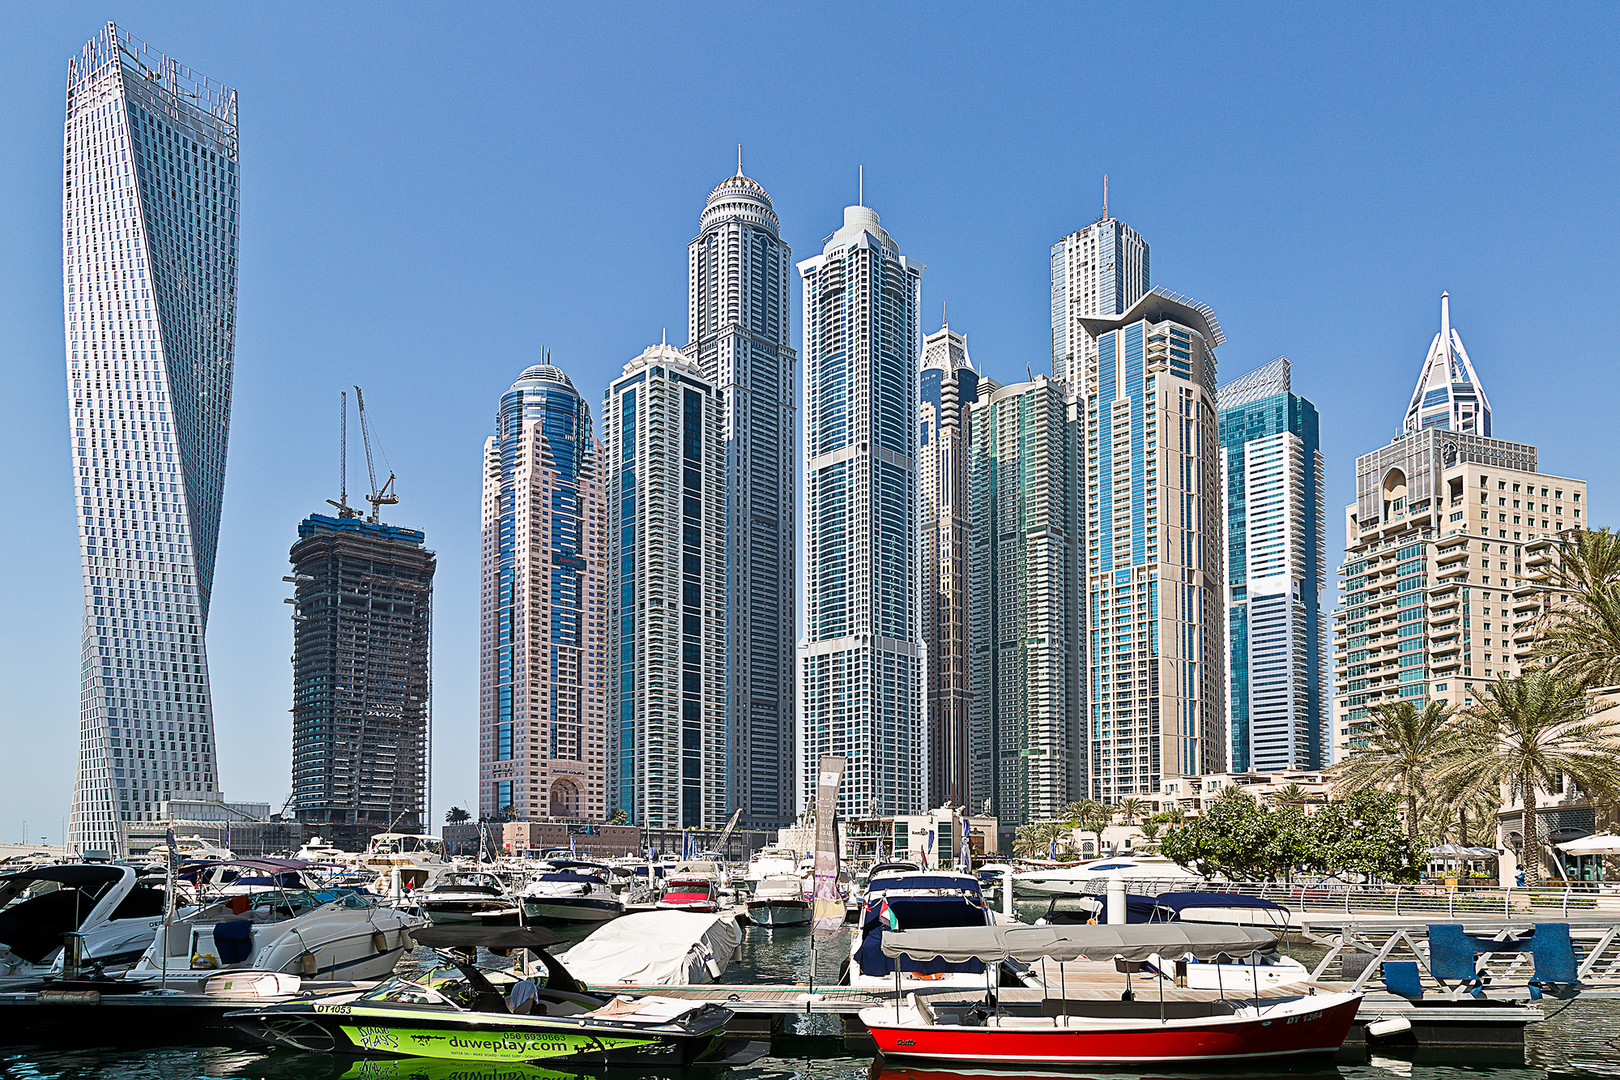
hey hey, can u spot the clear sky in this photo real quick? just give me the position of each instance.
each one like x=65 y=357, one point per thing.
x=431 y=193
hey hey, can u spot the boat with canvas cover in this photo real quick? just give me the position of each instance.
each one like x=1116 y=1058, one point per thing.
x=461 y=1012
x=1127 y=1031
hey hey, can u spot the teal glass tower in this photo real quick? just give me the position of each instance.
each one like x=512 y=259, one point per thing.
x=149 y=218
x=1276 y=554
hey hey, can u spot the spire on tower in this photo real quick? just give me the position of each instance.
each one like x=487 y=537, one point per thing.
x=1448 y=393
x=739 y=159
x=1105 y=196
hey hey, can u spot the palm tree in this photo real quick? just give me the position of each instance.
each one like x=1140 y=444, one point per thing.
x=456 y=815
x=1130 y=809
x=1405 y=747
x=1579 y=635
x=1530 y=732
x=1291 y=794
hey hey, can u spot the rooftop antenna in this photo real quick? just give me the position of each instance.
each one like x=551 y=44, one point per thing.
x=1105 y=196
x=861 y=191
x=739 y=159
x=343 y=508
x=666 y=329
x=944 y=315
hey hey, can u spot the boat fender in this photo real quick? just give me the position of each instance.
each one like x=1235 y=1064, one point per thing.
x=307 y=964
x=379 y=942
x=69 y=997
x=204 y=961
x=1393 y=1025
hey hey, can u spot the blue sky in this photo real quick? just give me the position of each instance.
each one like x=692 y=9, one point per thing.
x=431 y=193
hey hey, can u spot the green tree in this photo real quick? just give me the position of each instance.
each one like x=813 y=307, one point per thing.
x=1291 y=794
x=619 y=817
x=1579 y=636
x=1363 y=834
x=1035 y=839
x=1404 y=749
x=509 y=812
x=1131 y=809
x=456 y=815
x=1089 y=815
x=1530 y=732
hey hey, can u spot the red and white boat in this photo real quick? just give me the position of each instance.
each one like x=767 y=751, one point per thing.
x=692 y=886
x=1063 y=1031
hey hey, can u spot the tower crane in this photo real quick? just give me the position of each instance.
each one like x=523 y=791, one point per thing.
x=378 y=497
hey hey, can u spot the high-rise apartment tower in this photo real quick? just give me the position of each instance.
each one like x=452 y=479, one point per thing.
x=861 y=662
x=1435 y=548
x=363 y=595
x=661 y=423
x=1028 y=732
x=542 y=722
x=149 y=220
x=1097 y=272
x=1276 y=554
x=738 y=312
x=1154 y=592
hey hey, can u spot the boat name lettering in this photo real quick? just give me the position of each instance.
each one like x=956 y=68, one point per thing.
x=333 y=1008
x=907 y=1042
x=376 y=1038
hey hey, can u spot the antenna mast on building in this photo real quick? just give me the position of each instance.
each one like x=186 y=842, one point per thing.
x=378 y=498
x=342 y=502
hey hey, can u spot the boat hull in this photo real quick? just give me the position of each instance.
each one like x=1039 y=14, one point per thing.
x=779 y=912
x=572 y=909
x=1319 y=1027
x=382 y=1032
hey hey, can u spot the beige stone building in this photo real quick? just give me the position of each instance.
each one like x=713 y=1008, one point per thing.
x=1435 y=568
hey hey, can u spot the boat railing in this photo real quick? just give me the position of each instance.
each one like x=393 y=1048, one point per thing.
x=1421 y=901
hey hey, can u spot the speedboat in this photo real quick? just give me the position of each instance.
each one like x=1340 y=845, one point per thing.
x=459 y=1011
x=332 y=934
x=107 y=910
x=779 y=900
x=692 y=886
x=571 y=892
x=1092 y=1031
x=467 y=896
x=903 y=899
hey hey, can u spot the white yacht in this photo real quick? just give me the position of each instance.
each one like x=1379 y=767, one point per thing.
x=570 y=891
x=905 y=898
x=779 y=900
x=114 y=912
x=332 y=934
x=467 y=896
x=1093 y=876
x=403 y=863
x=768 y=861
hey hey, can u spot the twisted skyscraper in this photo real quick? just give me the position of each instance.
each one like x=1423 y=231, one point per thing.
x=149 y=220
x=739 y=341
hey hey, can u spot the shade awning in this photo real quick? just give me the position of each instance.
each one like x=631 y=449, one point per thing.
x=1134 y=942
x=1596 y=844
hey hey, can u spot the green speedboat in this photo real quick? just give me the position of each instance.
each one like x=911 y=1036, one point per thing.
x=456 y=1011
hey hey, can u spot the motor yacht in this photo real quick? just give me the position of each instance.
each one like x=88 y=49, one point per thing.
x=1093 y=876
x=402 y=863
x=107 y=911
x=767 y=862
x=467 y=896
x=691 y=886
x=904 y=898
x=779 y=900
x=330 y=933
x=570 y=891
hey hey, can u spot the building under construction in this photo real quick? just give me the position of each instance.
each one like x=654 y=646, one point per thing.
x=361 y=681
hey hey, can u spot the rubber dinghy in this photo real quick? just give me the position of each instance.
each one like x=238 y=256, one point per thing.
x=460 y=1012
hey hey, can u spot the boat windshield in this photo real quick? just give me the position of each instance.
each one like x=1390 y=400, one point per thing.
x=438 y=988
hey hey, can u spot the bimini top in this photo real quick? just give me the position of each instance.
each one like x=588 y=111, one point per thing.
x=1028 y=943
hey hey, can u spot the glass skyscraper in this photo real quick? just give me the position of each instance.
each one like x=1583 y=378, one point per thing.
x=1028 y=734
x=149 y=224
x=861 y=661
x=738 y=312
x=1153 y=550
x=1099 y=271
x=950 y=385
x=666 y=511
x=1276 y=554
x=542 y=723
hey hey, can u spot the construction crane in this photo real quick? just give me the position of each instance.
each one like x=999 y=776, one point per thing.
x=342 y=501
x=378 y=497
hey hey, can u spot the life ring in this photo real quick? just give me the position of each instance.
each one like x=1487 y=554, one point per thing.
x=927 y=975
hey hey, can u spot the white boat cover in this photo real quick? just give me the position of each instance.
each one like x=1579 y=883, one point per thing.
x=656 y=948
x=1134 y=942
